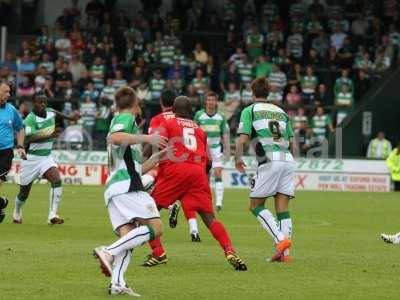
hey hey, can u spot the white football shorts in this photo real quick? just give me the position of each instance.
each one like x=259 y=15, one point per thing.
x=32 y=169
x=216 y=157
x=125 y=208
x=272 y=178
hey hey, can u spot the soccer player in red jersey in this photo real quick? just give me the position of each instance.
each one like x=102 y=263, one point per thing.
x=166 y=102
x=183 y=176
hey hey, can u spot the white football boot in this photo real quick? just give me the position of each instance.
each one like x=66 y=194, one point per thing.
x=106 y=260
x=391 y=239
x=116 y=289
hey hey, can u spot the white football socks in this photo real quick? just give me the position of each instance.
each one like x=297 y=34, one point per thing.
x=219 y=193
x=193 y=227
x=55 y=199
x=120 y=265
x=285 y=226
x=268 y=222
x=18 y=207
x=134 y=238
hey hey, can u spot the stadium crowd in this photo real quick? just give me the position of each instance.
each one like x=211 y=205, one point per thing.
x=320 y=59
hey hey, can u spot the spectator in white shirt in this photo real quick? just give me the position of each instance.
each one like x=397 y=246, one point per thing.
x=337 y=38
x=72 y=136
x=63 y=45
x=77 y=68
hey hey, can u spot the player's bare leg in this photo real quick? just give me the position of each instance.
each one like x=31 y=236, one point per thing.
x=219 y=232
x=284 y=220
x=53 y=176
x=114 y=259
x=219 y=188
x=268 y=222
x=24 y=191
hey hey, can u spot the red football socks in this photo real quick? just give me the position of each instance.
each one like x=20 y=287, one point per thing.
x=156 y=247
x=219 y=233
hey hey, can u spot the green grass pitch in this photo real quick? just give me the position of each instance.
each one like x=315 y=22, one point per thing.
x=337 y=252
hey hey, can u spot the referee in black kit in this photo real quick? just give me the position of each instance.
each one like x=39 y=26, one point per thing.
x=10 y=125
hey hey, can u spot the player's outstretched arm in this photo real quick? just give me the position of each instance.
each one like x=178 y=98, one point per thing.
x=64 y=116
x=155 y=158
x=123 y=138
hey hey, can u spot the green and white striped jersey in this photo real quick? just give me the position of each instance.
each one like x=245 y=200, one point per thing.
x=232 y=96
x=299 y=120
x=88 y=112
x=309 y=84
x=38 y=126
x=319 y=125
x=215 y=126
x=247 y=95
x=167 y=53
x=182 y=58
x=344 y=99
x=98 y=70
x=124 y=161
x=108 y=92
x=246 y=72
x=200 y=84
x=275 y=97
x=272 y=127
x=156 y=86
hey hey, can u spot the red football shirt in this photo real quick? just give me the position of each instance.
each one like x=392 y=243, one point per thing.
x=189 y=140
x=157 y=120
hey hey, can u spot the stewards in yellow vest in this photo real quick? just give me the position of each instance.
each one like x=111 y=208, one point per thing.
x=393 y=163
x=379 y=147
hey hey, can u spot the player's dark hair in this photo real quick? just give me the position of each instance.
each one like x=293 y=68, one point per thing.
x=125 y=97
x=212 y=94
x=167 y=98
x=182 y=107
x=39 y=96
x=260 y=87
